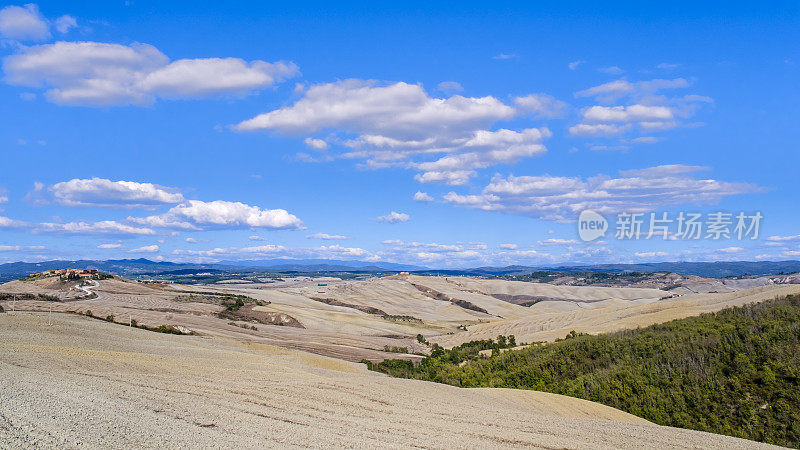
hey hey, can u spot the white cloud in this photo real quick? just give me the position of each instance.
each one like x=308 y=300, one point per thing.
x=503 y=56
x=619 y=88
x=64 y=23
x=213 y=76
x=107 y=193
x=784 y=238
x=574 y=64
x=449 y=86
x=393 y=217
x=645 y=140
x=483 y=149
x=103 y=227
x=400 y=125
x=23 y=23
x=195 y=214
x=650 y=254
x=646 y=109
x=316 y=144
x=663 y=171
x=558 y=241
x=191 y=240
x=365 y=107
x=97 y=74
x=5 y=222
x=145 y=249
x=509 y=246
x=542 y=105
x=561 y=198
x=422 y=197
x=611 y=70
x=791 y=253
x=109 y=246
x=451 y=177
x=730 y=249
x=326 y=237
x=601 y=129
x=323 y=252
x=20 y=248
x=632 y=113
x=667 y=66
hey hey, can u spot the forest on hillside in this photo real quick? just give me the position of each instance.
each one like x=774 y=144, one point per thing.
x=734 y=372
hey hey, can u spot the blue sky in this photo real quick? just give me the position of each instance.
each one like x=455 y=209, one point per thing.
x=408 y=133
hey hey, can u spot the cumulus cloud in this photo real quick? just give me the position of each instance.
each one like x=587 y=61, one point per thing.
x=795 y=237
x=631 y=113
x=5 y=222
x=400 y=125
x=278 y=251
x=650 y=254
x=109 y=227
x=562 y=198
x=449 y=86
x=600 y=129
x=20 y=248
x=619 y=88
x=365 y=107
x=422 y=197
x=558 y=241
x=393 y=217
x=65 y=23
x=196 y=214
x=23 y=23
x=509 y=246
x=109 y=246
x=663 y=171
x=100 y=74
x=426 y=252
x=542 y=106
x=326 y=237
x=574 y=64
x=316 y=144
x=483 y=149
x=145 y=249
x=116 y=194
x=611 y=70
x=645 y=109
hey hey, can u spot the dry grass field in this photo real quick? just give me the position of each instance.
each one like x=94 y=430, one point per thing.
x=358 y=319
x=83 y=382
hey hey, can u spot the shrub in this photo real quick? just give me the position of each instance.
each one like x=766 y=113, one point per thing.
x=733 y=372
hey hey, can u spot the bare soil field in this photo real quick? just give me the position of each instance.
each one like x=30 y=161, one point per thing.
x=83 y=382
x=379 y=318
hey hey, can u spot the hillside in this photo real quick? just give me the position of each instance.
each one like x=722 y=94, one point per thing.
x=734 y=372
x=83 y=382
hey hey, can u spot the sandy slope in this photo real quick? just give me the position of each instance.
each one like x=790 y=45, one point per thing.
x=84 y=382
x=550 y=320
x=369 y=315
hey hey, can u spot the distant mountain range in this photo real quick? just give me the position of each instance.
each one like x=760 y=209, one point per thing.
x=137 y=267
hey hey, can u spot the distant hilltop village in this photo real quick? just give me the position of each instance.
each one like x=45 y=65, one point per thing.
x=70 y=274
